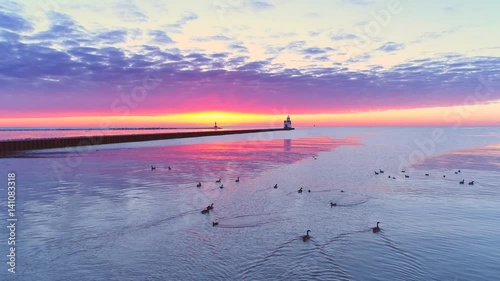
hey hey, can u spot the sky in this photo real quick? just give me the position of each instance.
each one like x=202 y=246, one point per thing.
x=249 y=62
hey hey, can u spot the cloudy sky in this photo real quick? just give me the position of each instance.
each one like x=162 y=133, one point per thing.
x=325 y=62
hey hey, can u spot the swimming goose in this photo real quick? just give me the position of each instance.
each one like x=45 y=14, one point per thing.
x=210 y=207
x=238 y=179
x=376 y=228
x=427 y=174
x=306 y=237
x=300 y=190
x=221 y=186
x=199 y=184
x=380 y=170
x=403 y=171
x=153 y=167
x=342 y=190
x=471 y=183
x=169 y=168
x=276 y=186
x=333 y=204
x=462 y=181
x=218 y=181
x=204 y=211
x=376 y=173
x=215 y=223
x=407 y=176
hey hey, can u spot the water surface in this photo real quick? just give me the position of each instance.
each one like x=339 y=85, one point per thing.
x=103 y=214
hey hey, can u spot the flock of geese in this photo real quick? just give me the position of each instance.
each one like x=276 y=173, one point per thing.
x=305 y=237
x=380 y=171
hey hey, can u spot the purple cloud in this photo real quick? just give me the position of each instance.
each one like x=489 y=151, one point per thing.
x=160 y=37
x=390 y=47
x=84 y=77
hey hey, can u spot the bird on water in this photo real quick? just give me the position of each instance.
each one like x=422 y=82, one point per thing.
x=215 y=223
x=333 y=204
x=462 y=181
x=306 y=237
x=218 y=181
x=300 y=190
x=275 y=186
x=376 y=228
x=153 y=167
x=199 y=184
x=238 y=179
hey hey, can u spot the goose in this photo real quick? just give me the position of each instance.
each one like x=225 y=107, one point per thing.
x=342 y=190
x=393 y=178
x=300 y=190
x=389 y=177
x=459 y=171
x=238 y=179
x=471 y=183
x=380 y=170
x=218 y=181
x=308 y=190
x=221 y=186
x=333 y=204
x=306 y=237
x=215 y=223
x=210 y=207
x=153 y=167
x=199 y=184
x=444 y=176
x=403 y=171
x=169 y=168
x=204 y=211
x=456 y=173
x=376 y=228
x=462 y=181
x=376 y=173
x=276 y=186
x=407 y=176
x=314 y=157
x=427 y=175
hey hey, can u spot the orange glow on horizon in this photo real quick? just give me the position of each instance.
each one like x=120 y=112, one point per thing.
x=480 y=115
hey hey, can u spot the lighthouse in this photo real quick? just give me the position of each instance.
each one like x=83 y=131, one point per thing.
x=288 y=124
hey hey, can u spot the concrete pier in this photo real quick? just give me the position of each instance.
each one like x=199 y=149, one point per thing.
x=9 y=146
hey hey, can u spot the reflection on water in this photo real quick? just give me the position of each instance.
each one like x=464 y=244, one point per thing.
x=110 y=217
x=484 y=158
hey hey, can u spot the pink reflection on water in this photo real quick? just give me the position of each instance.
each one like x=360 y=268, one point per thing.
x=478 y=158
x=210 y=161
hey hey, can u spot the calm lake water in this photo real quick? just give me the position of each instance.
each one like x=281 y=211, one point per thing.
x=103 y=214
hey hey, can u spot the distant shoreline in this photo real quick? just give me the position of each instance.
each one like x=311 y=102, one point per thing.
x=12 y=146
x=106 y=129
